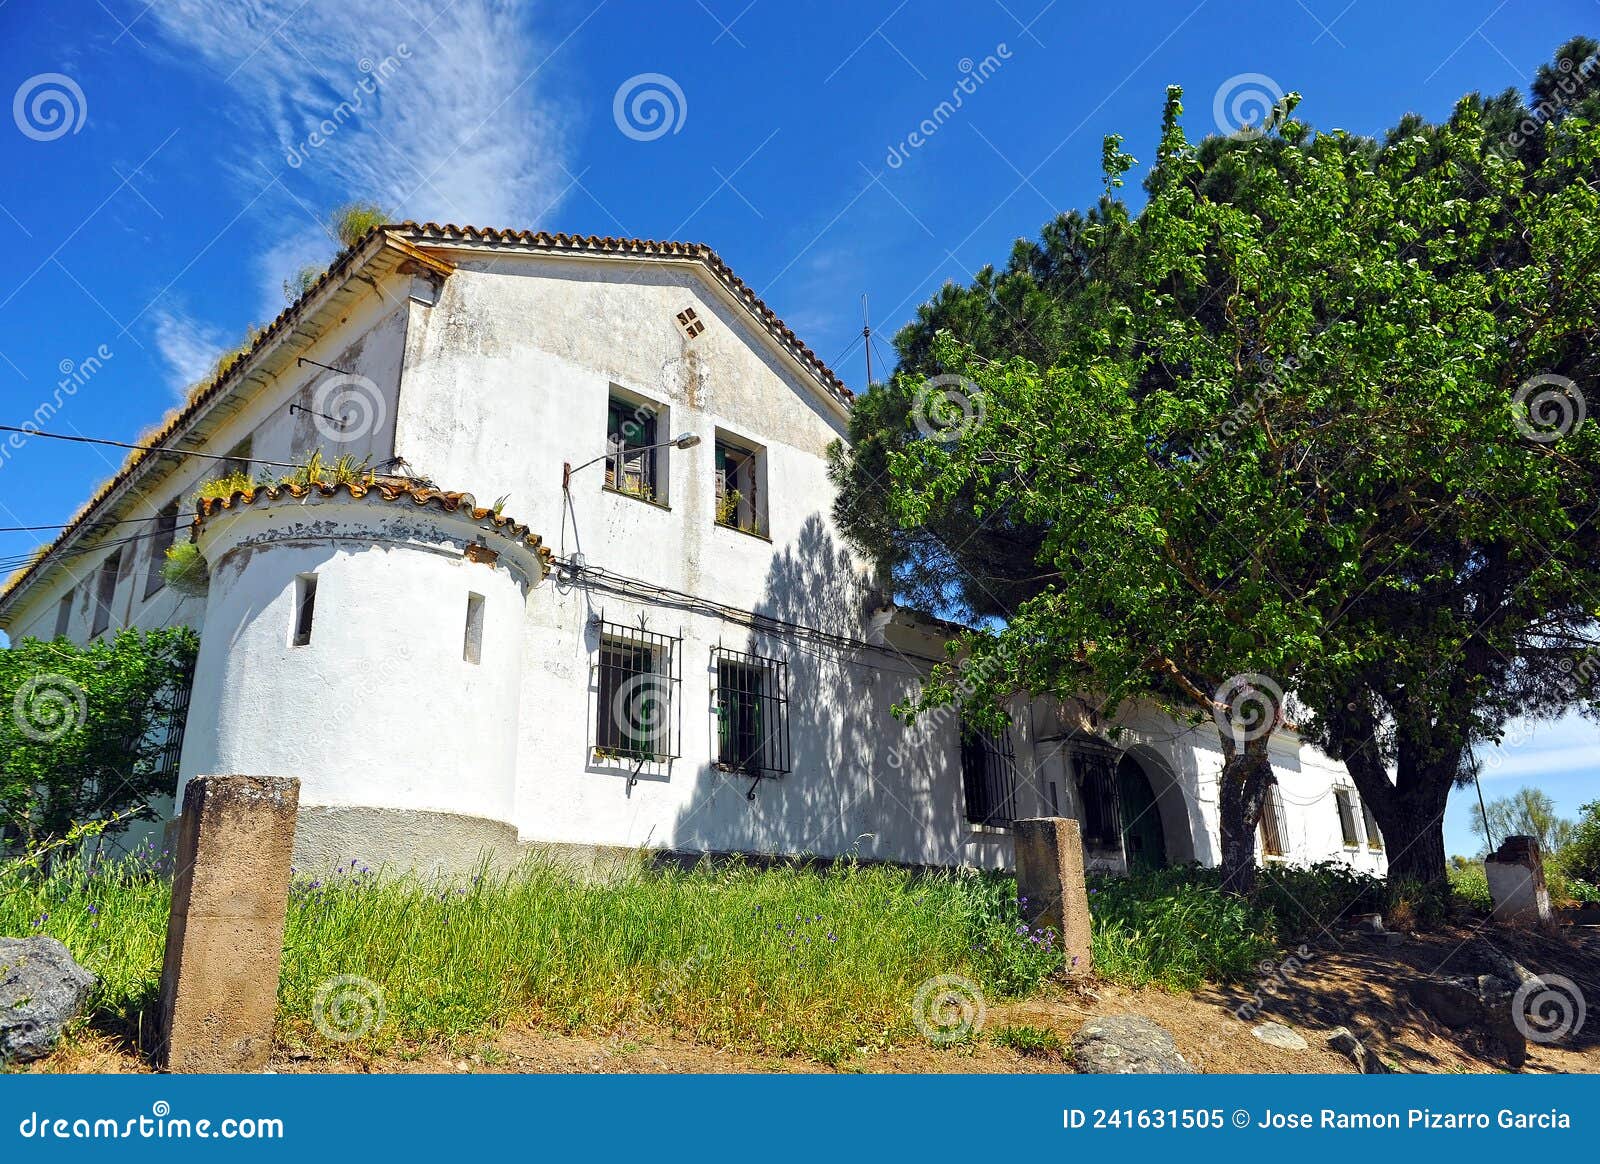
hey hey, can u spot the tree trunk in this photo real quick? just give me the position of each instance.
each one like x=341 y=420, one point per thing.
x=1413 y=834
x=1246 y=775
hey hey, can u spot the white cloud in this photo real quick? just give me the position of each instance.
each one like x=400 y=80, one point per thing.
x=1533 y=749
x=189 y=347
x=435 y=114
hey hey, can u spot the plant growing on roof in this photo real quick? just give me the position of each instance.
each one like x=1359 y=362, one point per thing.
x=185 y=570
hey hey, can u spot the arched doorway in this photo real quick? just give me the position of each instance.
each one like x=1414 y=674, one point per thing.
x=1144 y=840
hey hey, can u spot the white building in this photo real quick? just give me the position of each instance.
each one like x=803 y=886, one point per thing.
x=673 y=649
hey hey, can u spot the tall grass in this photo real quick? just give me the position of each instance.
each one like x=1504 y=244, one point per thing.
x=791 y=960
x=1175 y=928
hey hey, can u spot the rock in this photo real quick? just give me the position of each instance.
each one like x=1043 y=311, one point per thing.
x=1371 y=923
x=1278 y=1035
x=41 y=990
x=1476 y=1005
x=1367 y=1062
x=1126 y=1044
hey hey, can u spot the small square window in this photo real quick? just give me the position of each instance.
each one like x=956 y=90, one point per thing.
x=741 y=494
x=690 y=322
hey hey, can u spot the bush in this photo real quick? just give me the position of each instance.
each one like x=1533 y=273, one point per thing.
x=1471 y=886
x=1176 y=928
x=1308 y=899
x=1028 y=1040
x=1581 y=857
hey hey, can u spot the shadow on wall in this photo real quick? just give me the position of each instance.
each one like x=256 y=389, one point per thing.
x=1174 y=787
x=841 y=795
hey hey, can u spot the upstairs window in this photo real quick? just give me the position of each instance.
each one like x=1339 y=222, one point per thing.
x=238 y=461
x=988 y=777
x=1272 y=821
x=64 y=614
x=165 y=532
x=105 y=590
x=741 y=492
x=636 y=685
x=631 y=456
x=1347 y=817
x=752 y=708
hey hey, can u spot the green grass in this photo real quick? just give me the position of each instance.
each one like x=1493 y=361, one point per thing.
x=790 y=960
x=1176 y=929
x=1028 y=1040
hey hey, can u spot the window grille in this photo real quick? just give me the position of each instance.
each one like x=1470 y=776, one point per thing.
x=988 y=776
x=752 y=707
x=636 y=684
x=1272 y=820
x=1374 y=837
x=631 y=461
x=177 y=721
x=1096 y=769
x=1347 y=817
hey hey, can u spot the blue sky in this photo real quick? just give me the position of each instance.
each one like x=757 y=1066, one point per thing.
x=161 y=182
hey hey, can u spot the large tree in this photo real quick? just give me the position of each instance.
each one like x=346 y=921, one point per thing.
x=1298 y=427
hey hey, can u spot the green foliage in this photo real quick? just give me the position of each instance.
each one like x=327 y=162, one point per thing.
x=84 y=727
x=1470 y=886
x=351 y=222
x=790 y=960
x=1176 y=928
x=1527 y=812
x=1581 y=857
x=1140 y=439
x=1024 y=1039
x=185 y=570
x=301 y=281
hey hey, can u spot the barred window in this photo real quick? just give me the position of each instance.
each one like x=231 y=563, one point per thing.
x=1272 y=822
x=988 y=776
x=1096 y=770
x=752 y=708
x=1347 y=817
x=1374 y=837
x=636 y=684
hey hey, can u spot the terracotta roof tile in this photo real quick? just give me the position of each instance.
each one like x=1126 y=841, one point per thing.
x=391 y=489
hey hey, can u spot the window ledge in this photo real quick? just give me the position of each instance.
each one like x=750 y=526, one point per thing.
x=983 y=830
x=643 y=500
x=749 y=533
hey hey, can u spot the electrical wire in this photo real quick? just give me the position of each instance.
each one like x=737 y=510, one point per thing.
x=83 y=440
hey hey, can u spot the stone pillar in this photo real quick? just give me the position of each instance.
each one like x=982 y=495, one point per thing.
x=1050 y=881
x=1515 y=873
x=219 y=984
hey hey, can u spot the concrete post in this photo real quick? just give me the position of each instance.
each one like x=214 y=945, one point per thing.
x=219 y=983
x=1049 y=854
x=1515 y=873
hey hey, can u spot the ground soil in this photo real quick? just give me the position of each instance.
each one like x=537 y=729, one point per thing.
x=1347 y=980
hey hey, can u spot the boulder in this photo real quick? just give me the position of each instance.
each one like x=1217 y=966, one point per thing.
x=1278 y=1035
x=1367 y=1062
x=41 y=990
x=1478 y=1005
x=1126 y=1044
